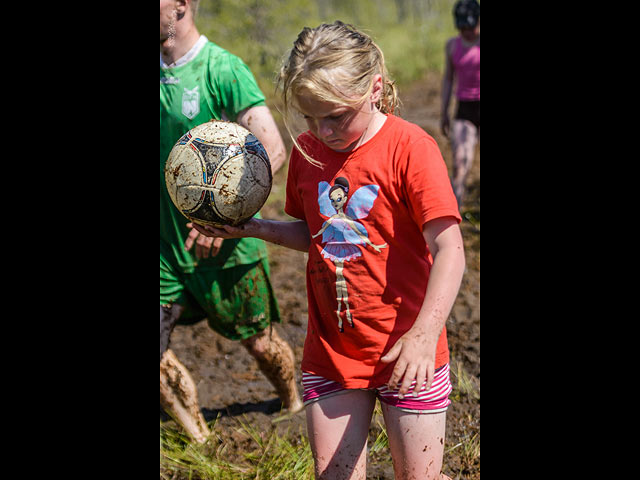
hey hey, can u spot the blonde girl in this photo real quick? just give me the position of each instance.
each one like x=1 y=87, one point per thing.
x=375 y=211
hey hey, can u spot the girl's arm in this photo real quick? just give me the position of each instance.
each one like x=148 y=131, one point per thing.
x=294 y=235
x=447 y=88
x=415 y=351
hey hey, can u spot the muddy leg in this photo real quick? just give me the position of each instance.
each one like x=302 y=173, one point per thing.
x=276 y=361
x=178 y=394
x=416 y=442
x=338 y=428
x=179 y=397
x=464 y=140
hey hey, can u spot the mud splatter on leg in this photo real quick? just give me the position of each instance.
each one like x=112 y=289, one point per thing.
x=179 y=397
x=276 y=361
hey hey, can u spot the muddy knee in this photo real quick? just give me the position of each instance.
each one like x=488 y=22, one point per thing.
x=275 y=359
x=179 y=397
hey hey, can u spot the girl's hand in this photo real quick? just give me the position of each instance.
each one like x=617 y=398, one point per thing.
x=415 y=351
x=226 y=231
x=415 y=356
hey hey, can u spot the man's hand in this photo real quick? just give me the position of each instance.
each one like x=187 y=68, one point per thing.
x=205 y=246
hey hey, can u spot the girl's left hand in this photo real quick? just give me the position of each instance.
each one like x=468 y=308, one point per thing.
x=221 y=232
x=415 y=357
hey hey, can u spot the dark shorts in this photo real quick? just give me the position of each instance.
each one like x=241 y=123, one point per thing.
x=469 y=111
x=237 y=302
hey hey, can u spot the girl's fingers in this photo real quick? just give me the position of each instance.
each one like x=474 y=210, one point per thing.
x=397 y=374
x=208 y=231
x=430 y=373
x=393 y=354
x=421 y=377
x=409 y=377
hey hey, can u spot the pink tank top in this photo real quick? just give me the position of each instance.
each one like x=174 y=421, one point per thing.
x=466 y=61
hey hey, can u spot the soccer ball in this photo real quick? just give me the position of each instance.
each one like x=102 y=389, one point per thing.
x=218 y=173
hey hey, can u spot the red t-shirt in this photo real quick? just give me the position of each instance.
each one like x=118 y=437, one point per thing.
x=398 y=181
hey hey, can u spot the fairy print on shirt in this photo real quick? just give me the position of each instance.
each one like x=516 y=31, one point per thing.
x=341 y=234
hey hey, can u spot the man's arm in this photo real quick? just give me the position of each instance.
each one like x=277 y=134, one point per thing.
x=259 y=121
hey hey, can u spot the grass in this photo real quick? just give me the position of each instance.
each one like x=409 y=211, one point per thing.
x=468 y=450
x=264 y=456
x=247 y=453
x=259 y=456
x=463 y=383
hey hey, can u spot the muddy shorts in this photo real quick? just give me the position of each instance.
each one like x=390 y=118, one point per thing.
x=436 y=400
x=237 y=302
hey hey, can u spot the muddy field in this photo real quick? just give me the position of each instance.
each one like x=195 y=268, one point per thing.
x=230 y=385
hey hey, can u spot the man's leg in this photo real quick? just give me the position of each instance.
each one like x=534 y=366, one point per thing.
x=276 y=361
x=178 y=393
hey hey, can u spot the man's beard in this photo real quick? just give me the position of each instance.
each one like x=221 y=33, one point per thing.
x=169 y=39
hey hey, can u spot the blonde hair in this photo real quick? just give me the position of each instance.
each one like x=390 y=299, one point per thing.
x=334 y=63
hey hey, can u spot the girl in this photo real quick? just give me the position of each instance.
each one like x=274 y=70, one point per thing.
x=462 y=60
x=376 y=213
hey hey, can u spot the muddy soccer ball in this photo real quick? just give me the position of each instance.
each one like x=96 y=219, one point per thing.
x=218 y=173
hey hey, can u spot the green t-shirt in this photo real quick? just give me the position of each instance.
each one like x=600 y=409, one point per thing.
x=207 y=83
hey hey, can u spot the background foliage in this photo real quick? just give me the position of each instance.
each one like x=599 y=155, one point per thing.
x=411 y=33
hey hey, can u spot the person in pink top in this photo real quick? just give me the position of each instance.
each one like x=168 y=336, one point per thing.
x=462 y=67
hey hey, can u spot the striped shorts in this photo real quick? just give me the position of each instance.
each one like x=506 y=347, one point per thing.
x=435 y=400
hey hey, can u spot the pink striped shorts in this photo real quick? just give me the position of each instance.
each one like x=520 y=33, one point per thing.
x=435 y=400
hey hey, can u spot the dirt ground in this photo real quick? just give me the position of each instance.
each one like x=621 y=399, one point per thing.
x=230 y=384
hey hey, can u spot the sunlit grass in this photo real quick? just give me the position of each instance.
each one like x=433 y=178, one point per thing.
x=467 y=450
x=463 y=383
x=262 y=32
x=270 y=455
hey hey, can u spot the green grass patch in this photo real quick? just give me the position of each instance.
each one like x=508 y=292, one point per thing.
x=264 y=455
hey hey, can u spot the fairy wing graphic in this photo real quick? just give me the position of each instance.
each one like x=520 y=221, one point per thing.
x=359 y=205
x=352 y=237
x=361 y=201
x=324 y=201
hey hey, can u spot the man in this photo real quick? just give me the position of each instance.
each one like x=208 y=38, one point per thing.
x=202 y=276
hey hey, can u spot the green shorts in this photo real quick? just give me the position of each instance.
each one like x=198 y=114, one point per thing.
x=237 y=302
